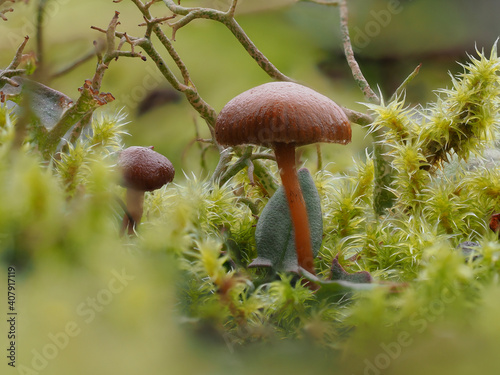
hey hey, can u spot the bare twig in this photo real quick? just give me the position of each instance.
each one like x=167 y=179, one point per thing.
x=153 y=26
x=39 y=38
x=90 y=96
x=323 y=2
x=111 y=52
x=227 y=19
x=3 y=11
x=88 y=56
x=158 y=21
x=232 y=9
x=202 y=107
x=383 y=170
x=351 y=60
x=149 y=3
x=187 y=87
x=357 y=117
x=11 y=70
x=19 y=55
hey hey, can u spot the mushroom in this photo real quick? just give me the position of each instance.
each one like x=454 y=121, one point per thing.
x=495 y=223
x=284 y=115
x=142 y=170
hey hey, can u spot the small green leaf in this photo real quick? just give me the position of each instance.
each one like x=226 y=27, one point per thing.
x=339 y=273
x=336 y=288
x=274 y=234
x=47 y=104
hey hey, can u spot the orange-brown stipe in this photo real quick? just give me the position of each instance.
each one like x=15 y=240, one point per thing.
x=285 y=157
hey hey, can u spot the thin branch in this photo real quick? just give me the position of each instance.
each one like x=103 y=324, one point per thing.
x=177 y=9
x=150 y=22
x=187 y=88
x=232 y=9
x=357 y=117
x=110 y=33
x=323 y=2
x=149 y=3
x=227 y=19
x=111 y=52
x=39 y=37
x=351 y=60
x=12 y=70
x=3 y=11
x=202 y=107
x=19 y=55
x=148 y=47
x=153 y=26
x=88 y=56
x=90 y=98
x=174 y=55
x=382 y=198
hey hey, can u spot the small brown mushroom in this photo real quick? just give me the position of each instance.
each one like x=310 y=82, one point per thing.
x=142 y=170
x=284 y=115
x=495 y=223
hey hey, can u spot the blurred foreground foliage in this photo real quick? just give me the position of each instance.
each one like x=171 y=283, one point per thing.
x=179 y=299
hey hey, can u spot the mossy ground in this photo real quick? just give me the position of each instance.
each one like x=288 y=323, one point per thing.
x=179 y=299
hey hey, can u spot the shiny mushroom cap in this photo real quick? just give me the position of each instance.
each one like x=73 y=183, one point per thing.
x=144 y=169
x=281 y=112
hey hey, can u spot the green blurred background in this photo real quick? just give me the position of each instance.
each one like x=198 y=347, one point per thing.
x=302 y=39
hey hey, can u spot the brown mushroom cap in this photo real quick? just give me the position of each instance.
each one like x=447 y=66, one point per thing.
x=144 y=169
x=281 y=112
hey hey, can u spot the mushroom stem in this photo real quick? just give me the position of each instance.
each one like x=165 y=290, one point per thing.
x=134 y=201
x=285 y=157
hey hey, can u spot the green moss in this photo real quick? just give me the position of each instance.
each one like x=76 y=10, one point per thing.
x=59 y=225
